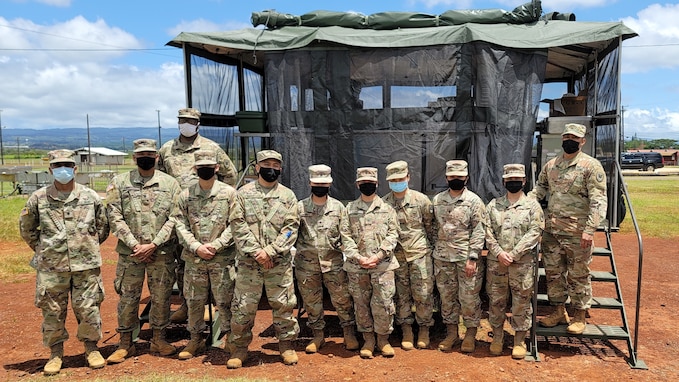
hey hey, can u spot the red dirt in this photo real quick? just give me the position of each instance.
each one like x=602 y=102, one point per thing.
x=562 y=359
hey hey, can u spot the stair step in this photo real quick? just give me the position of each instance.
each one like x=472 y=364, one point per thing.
x=596 y=275
x=591 y=331
x=597 y=302
x=600 y=251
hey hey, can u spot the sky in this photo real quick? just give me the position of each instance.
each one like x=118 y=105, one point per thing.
x=64 y=61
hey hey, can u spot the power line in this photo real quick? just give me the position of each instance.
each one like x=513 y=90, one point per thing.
x=87 y=50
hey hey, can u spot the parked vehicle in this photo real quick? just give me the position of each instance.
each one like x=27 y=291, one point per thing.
x=647 y=161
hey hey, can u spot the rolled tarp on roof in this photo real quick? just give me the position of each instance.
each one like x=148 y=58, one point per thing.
x=523 y=14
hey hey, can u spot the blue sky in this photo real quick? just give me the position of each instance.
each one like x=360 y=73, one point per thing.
x=61 y=60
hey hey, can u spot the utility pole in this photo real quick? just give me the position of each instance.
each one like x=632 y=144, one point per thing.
x=160 y=142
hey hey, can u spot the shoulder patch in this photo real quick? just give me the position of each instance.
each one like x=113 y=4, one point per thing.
x=600 y=176
x=24 y=211
x=110 y=187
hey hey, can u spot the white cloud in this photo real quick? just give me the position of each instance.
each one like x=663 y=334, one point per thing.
x=448 y=4
x=654 y=123
x=56 y=3
x=658 y=42
x=570 y=5
x=202 y=25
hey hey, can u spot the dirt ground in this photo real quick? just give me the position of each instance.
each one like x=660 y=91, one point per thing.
x=561 y=359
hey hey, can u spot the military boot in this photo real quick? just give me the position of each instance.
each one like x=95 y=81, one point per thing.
x=181 y=314
x=287 y=353
x=350 y=341
x=407 y=340
x=469 y=342
x=368 y=345
x=53 y=366
x=452 y=338
x=519 y=350
x=558 y=317
x=423 y=337
x=578 y=323
x=498 y=341
x=384 y=345
x=316 y=342
x=238 y=357
x=125 y=349
x=195 y=346
x=160 y=345
x=94 y=358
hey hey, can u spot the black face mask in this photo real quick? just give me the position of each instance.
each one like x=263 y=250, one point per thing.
x=456 y=184
x=570 y=146
x=367 y=189
x=205 y=173
x=514 y=186
x=320 y=191
x=269 y=174
x=146 y=163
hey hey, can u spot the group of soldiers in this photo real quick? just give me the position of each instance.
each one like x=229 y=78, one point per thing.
x=178 y=218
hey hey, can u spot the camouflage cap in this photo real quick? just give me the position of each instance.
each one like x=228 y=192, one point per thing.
x=320 y=173
x=574 y=128
x=397 y=170
x=513 y=170
x=205 y=158
x=61 y=156
x=269 y=154
x=456 y=167
x=366 y=173
x=144 y=144
x=189 y=113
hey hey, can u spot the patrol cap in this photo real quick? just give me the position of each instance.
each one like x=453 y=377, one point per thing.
x=513 y=170
x=397 y=170
x=205 y=158
x=61 y=156
x=574 y=128
x=320 y=173
x=366 y=173
x=269 y=154
x=189 y=113
x=456 y=167
x=144 y=144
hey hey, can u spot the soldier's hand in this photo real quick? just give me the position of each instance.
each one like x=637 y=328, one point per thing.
x=470 y=268
x=370 y=262
x=586 y=240
x=205 y=253
x=505 y=258
x=263 y=259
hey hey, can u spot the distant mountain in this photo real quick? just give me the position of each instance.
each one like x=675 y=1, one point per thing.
x=73 y=138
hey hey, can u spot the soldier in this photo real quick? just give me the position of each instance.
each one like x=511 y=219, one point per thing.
x=369 y=230
x=64 y=223
x=576 y=185
x=264 y=223
x=176 y=159
x=139 y=204
x=515 y=223
x=202 y=223
x=415 y=275
x=460 y=226
x=319 y=259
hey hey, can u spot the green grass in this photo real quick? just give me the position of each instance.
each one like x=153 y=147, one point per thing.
x=15 y=263
x=656 y=205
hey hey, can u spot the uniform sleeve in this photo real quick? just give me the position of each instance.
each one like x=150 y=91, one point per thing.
x=246 y=242
x=531 y=238
x=598 y=201
x=225 y=239
x=101 y=217
x=389 y=243
x=183 y=226
x=166 y=232
x=227 y=171
x=478 y=229
x=349 y=246
x=493 y=246
x=114 y=206
x=427 y=210
x=287 y=235
x=541 y=188
x=29 y=222
x=161 y=160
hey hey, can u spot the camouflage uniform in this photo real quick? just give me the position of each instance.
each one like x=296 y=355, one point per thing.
x=139 y=213
x=414 y=277
x=319 y=261
x=202 y=217
x=264 y=219
x=65 y=231
x=577 y=203
x=460 y=226
x=371 y=229
x=515 y=229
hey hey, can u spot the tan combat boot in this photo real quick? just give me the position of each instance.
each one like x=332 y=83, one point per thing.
x=498 y=341
x=578 y=323
x=287 y=353
x=350 y=341
x=181 y=314
x=160 y=345
x=195 y=346
x=368 y=345
x=452 y=338
x=423 y=337
x=407 y=341
x=238 y=357
x=94 y=358
x=519 y=350
x=53 y=366
x=125 y=349
x=469 y=342
x=316 y=342
x=384 y=345
x=558 y=317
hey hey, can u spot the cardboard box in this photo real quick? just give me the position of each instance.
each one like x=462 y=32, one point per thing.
x=251 y=121
x=574 y=105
